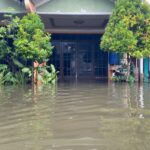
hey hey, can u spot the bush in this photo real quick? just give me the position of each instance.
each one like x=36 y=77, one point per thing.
x=22 y=42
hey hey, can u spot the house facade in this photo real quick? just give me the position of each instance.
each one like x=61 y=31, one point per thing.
x=76 y=27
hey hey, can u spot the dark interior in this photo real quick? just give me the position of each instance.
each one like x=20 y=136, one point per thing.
x=79 y=57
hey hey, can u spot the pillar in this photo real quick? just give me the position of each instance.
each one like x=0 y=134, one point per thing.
x=141 y=69
x=29 y=6
x=146 y=69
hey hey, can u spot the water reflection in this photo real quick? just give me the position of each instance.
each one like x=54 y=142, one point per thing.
x=78 y=116
x=141 y=96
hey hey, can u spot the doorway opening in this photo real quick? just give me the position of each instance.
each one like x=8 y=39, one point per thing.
x=79 y=57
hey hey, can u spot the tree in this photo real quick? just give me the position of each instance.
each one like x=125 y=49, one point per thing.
x=31 y=42
x=128 y=29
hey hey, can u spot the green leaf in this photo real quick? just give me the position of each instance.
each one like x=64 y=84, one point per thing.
x=25 y=70
x=53 y=68
x=3 y=67
x=17 y=63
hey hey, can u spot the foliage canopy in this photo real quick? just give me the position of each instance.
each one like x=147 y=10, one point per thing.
x=128 y=29
x=30 y=41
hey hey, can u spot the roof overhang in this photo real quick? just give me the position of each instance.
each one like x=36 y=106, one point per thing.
x=86 y=16
x=70 y=23
x=76 y=16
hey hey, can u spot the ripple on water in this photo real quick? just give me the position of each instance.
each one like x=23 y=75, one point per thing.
x=81 y=116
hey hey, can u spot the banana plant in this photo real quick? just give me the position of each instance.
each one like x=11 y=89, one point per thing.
x=47 y=74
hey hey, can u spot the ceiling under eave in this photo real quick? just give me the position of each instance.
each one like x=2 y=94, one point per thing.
x=69 y=16
x=75 y=16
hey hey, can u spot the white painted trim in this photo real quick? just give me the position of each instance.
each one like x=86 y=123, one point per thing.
x=12 y=12
x=76 y=31
x=76 y=13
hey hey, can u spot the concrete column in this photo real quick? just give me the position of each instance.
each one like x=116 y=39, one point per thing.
x=136 y=71
x=29 y=6
x=141 y=69
x=149 y=63
x=146 y=69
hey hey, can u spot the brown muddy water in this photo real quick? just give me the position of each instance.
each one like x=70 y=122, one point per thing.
x=75 y=116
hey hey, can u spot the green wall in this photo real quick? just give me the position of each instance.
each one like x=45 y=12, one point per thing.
x=11 y=6
x=77 y=6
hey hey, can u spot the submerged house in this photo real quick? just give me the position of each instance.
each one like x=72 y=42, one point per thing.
x=76 y=27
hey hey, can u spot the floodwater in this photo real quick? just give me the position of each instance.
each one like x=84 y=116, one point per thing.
x=75 y=116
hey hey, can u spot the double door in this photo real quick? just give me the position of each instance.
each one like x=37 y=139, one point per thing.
x=78 y=59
